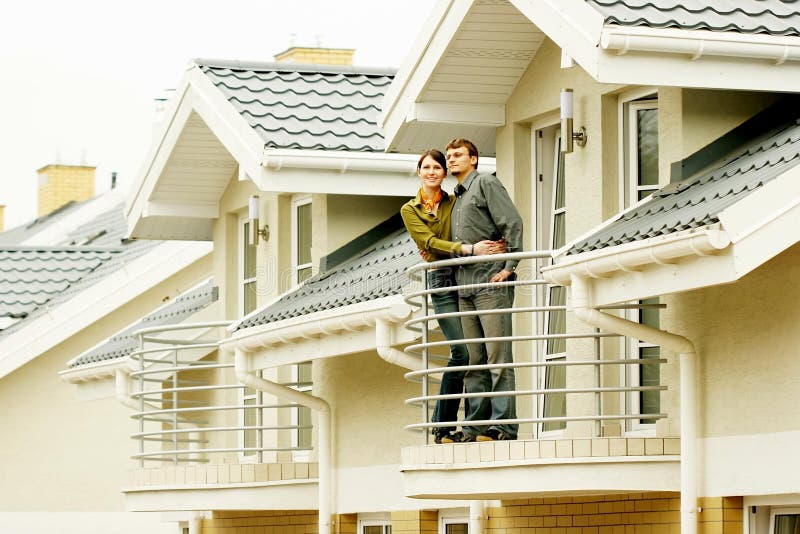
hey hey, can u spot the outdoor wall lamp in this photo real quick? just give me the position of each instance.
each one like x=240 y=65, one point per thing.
x=568 y=135
x=252 y=218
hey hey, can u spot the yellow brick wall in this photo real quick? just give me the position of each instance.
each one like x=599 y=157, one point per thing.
x=320 y=56
x=261 y=522
x=720 y=515
x=415 y=522
x=59 y=184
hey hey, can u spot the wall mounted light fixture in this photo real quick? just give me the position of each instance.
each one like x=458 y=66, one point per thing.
x=568 y=135
x=252 y=218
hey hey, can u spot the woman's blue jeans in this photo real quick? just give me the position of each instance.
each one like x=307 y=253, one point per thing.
x=452 y=382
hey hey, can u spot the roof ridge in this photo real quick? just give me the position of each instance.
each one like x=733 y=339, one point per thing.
x=293 y=67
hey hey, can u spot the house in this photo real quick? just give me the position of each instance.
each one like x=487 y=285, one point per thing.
x=652 y=379
x=652 y=385
x=69 y=279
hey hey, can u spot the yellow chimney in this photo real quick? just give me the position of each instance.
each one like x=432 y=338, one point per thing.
x=59 y=184
x=320 y=56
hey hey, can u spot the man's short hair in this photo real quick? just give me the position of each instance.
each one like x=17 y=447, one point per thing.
x=460 y=142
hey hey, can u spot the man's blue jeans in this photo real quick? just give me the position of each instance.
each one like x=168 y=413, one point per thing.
x=483 y=326
x=452 y=382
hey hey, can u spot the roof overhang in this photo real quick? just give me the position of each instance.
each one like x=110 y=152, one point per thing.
x=89 y=306
x=750 y=232
x=458 y=75
x=344 y=330
x=206 y=143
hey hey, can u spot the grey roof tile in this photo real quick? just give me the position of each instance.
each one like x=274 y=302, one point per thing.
x=305 y=106
x=124 y=342
x=31 y=277
x=774 y=17
x=697 y=201
x=379 y=270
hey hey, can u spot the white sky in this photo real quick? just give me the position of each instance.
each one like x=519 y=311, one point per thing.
x=78 y=78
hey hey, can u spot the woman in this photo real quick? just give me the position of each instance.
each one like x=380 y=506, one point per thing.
x=427 y=218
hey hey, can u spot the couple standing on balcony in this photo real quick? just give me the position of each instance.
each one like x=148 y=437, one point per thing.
x=481 y=219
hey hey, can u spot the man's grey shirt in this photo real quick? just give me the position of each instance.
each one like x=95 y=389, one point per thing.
x=485 y=211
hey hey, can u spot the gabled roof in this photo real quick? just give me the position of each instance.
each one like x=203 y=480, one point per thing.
x=376 y=270
x=773 y=17
x=471 y=55
x=124 y=342
x=697 y=201
x=318 y=107
x=285 y=127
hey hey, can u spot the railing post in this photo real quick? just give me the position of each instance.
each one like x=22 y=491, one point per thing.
x=141 y=399
x=175 y=407
x=425 y=412
x=598 y=404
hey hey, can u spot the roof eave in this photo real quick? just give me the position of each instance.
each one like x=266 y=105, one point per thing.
x=187 y=220
x=310 y=336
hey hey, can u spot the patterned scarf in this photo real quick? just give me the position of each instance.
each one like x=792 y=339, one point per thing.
x=430 y=204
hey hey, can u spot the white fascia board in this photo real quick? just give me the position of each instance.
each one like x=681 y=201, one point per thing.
x=426 y=55
x=764 y=223
x=93 y=304
x=96 y=371
x=172 y=209
x=572 y=24
x=339 y=160
x=461 y=114
x=336 y=332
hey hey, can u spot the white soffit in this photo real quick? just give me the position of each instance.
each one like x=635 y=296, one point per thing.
x=203 y=141
x=467 y=67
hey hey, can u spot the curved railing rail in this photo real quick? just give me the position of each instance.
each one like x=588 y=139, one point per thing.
x=183 y=405
x=545 y=311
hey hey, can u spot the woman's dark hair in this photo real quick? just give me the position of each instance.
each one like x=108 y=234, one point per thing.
x=436 y=154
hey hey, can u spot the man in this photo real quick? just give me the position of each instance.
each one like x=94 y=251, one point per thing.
x=483 y=210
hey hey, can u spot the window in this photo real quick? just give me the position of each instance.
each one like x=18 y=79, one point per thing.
x=551 y=234
x=377 y=523
x=301 y=240
x=453 y=521
x=645 y=402
x=784 y=521
x=641 y=149
x=247 y=270
x=251 y=418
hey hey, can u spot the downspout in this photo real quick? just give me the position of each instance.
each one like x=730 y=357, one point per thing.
x=122 y=390
x=477 y=513
x=246 y=376
x=581 y=306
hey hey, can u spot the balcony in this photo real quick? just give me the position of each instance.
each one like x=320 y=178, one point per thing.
x=205 y=441
x=594 y=409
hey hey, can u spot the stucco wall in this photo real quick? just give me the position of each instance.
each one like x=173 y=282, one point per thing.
x=62 y=454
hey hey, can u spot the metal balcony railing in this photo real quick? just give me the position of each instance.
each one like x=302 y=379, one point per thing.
x=189 y=405
x=545 y=353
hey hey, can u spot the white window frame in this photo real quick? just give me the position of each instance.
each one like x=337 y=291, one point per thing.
x=242 y=396
x=552 y=212
x=296 y=267
x=241 y=280
x=457 y=516
x=632 y=187
x=299 y=456
x=780 y=510
x=633 y=345
x=375 y=520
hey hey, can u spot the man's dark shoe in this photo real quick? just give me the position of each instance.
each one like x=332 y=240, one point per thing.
x=494 y=435
x=437 y=438
x=458 y=437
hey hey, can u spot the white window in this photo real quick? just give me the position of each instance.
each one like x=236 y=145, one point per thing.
x=378 y=523
x=550 y=217
x=301 y=240
x=301 y=415
x=248 y=269
x=645 y=402
x=251 y=419
x=454 y=521
x=640 y=149
x=784 y=521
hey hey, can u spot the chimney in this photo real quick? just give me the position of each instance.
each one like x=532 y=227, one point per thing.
x=319 y=56
x=59 y=184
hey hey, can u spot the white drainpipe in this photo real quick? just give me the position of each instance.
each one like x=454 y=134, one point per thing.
x=477 y=513
x=245 y=375
x=122 y=390
x=582 y=307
